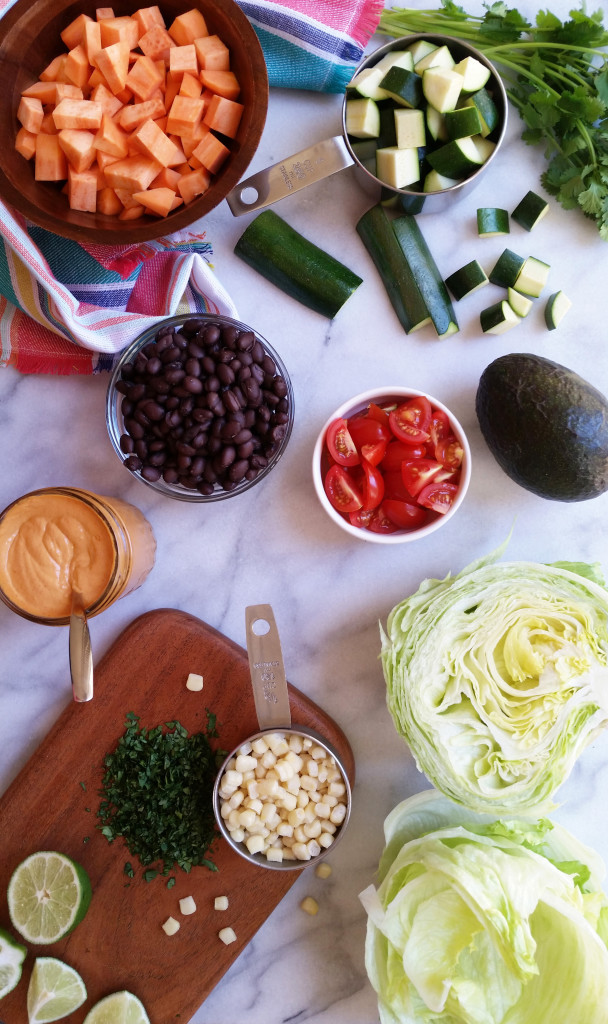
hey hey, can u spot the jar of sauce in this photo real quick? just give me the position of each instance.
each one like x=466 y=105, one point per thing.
x=58 y=539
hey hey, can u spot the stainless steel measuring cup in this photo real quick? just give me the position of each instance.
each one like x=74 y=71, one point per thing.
x=273 y=711
x=322 y=159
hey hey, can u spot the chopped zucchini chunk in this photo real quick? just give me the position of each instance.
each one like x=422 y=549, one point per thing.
x=462 y=122
x=403 y=86
x=439 y=57
x=474 y=73
x=397 y=167
x=457 y=158
x=498 y=318
x=492 y=221
x=519 y=303
x=467 y=280
x=441 y=88
x=362 y=118
x=557 y=306
x=506 y=269
x=530 y=210
x=532 y=277
x=420 y=48
x=486 y=108
x=367 y=83
x=409 y=128
x=435 y=182
x=435 y=123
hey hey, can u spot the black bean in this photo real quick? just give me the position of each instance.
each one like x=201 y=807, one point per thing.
x=150 y=473
x=127 y=444
x=245 y=449
x=237 y=470
x=229 y=335
x=193 y=385
x=211 y=335
x=134 y=463
x=225 y=373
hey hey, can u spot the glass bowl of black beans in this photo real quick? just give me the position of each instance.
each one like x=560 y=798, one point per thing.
x=200 y=407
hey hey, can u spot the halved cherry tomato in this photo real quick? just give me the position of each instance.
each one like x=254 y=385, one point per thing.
x=370 y=437
x=417 y=473
x=375 y=412
x=438 y=497
x=340 y=444
x=381 y=523
x=439 y=427
x=449 y=452
x=398 y=452
x=342 y=489
x=395 y=488
x=410 y=421
x=403 y=514
x=373 y=491
x=361 y=517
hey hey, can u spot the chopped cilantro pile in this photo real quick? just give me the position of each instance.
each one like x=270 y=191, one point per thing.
x=557 y=78
x=157 y=794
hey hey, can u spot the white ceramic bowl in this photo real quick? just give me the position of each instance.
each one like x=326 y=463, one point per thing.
x=383 y=397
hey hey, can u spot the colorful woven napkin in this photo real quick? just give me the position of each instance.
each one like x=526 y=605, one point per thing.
x=68 y=308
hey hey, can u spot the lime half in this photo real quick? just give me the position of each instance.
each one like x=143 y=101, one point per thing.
x=55 y=990
x=48 y=895
x=12 y=955
x=118 y=1008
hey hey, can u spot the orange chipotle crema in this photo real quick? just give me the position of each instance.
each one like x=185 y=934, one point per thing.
x=55 y=540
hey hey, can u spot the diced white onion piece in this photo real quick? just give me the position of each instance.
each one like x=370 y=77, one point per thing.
x=194 y=682
x=171 y=926
x=221 y=902
x=187 y=905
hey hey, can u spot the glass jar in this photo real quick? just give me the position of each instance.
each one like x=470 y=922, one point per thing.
x=59 y=538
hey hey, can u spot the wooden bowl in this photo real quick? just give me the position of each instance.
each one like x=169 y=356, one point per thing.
x=30 y=38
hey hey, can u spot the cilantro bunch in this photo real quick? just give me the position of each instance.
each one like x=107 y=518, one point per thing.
x=157 y=793
x=556 y=76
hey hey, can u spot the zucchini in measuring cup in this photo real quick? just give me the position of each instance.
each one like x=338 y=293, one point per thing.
x=426 y=274
x=457 y=159
x=462 y=122
x=362 y=118
x=474 y=74
x=296 y=265
x=441 y=88
x=397 y=167
x=376 y=233
x=435 y=182
x=486 y=108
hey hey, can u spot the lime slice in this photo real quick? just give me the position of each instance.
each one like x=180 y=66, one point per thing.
x=118 y=1008
x=54 y=991
x=48 y=895
x=12 y=956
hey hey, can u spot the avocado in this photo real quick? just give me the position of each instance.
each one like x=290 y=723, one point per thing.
x=545 y=426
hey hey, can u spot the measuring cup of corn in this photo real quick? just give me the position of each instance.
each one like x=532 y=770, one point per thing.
x=282 y=798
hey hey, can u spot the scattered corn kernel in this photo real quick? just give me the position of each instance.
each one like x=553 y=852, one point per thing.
x=187 y=905
x=171 y=926
x=227 y=935
x=309 y=906
x=221 y=902
x=194 y=681
x=323 y=870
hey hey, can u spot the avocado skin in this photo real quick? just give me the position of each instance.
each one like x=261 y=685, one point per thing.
x=545 y=426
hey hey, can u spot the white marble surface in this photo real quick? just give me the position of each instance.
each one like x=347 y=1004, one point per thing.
x=276 y=545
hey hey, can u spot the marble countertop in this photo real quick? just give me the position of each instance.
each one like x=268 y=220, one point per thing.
x=275 y=544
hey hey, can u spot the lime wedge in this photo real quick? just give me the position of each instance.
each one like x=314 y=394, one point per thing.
x=48 y=895
x=118 y=1008
x=12 y=956
x=54 y=991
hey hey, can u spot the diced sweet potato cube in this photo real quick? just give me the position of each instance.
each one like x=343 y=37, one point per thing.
x=223 y=116
x=104 y=12
x=149 y=17
x=73 y=34
x=108 y=202
x=191 y=141
x=76 y=67
x=212 y=53
x=121 y=29
x=211 y=152
x=188 y=27
x=77 y=114
x=162 y=123
x=25 y=143
x=82 y=190
x=111 y=138
x=153 y=142
x=190 y=86
x=134 y=173
x=78 y=147
x=183 y=59
x=43 y=91
x=110 y=104
x=52 y=70
x=158 y=200
x=132 y=212
x=92 y=40
x=67 y=91
x=104 y=160
x=224 y=83
x=156 y=43
x=184 y=115
x=144 y=78
x=172 y=88
x=30 y=113
x=48 y=126
x=193 y=183
x=167 y=178
x=126 y=198
x=177 y=142
x=51 y=164
x=113 y=62
x=136 y=113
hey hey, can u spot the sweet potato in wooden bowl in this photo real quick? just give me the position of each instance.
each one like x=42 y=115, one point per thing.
x=136 y=120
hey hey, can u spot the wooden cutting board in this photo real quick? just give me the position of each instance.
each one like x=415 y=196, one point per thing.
x=52 y=805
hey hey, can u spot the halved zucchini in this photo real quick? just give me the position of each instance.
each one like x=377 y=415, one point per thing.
x=379 y=239
x=426 y=274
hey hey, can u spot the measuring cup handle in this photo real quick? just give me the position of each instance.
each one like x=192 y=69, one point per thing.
x=267 y=670
x=290 y=175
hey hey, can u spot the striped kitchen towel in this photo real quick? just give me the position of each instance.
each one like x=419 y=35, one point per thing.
x=69 y=308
